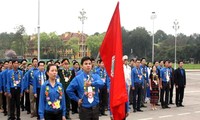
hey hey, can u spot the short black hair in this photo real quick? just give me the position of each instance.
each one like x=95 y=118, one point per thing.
x=5 y=62
x=75 y=62
x=166 y=61
x=143 y=59
x=57 y=61
x=180 y=61
x=41 y=62
x=23 y=60
x=34 y=59
x=92 y=59
x=85 y=59
x=155 y=62
x=138 y=59
x=14 y=60
x=47 y=62
x=63 y=60
x=100 y=61
x=160 y=61
x=29 y=64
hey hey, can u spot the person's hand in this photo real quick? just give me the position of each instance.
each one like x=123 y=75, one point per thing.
x=5 y=93
x=63 y=118
x=9 y=95
x=88 y=83
x=35 y=95
x=150 y=88
x=160 y=86
x=142 y=87
x=1 y=92
x=127 y=114
x=21 y=95
x=27 y=91
x=80 y=102
x=176 y=86
x=133 y=88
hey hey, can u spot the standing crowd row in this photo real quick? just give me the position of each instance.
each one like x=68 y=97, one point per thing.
x=50 y=90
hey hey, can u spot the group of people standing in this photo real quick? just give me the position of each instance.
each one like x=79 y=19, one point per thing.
x=50 y=90
x=155 y=82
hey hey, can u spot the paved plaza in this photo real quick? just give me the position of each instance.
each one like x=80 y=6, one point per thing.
x=191 y=111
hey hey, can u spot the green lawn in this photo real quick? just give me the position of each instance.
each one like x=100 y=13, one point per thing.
x=191 y=66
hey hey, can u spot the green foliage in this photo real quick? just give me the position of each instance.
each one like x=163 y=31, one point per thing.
x=93 y=42
x=73 y=45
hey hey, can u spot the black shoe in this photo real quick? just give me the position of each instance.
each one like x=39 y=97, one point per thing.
x=103 y=114
x=171 y=103
x=18 y=119
x=134 y=110
x=181 y=105
x=5 y=113
x=163 y=107
x=139 y=110
x=167 y=106
x=28 y=112
x=157 y=104
x=143 y=106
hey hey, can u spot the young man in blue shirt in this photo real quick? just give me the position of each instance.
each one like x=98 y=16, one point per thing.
x=87 y=85
x=15 y=89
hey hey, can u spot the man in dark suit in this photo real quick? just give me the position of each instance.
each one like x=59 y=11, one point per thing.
x=180 y=83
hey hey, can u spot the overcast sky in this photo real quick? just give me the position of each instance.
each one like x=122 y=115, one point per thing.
x=62 y=15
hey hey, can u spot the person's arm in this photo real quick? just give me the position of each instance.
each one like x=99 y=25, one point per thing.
x=71 y=88
x=8 y=82
x=98 y=82
x=21 y=83
x=63 y=103
x=35 y=81
x=42 y=102
x=133 y=78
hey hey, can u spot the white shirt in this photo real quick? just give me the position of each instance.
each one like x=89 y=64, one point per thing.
x=127 y=74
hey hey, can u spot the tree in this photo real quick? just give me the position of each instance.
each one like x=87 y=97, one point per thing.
x=93 y=42
x=73 y=45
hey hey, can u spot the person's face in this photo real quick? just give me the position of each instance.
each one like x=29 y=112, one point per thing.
x=30 y=66
x=10 y=65
x=137 y=64
x=87 y=66
x=161 y=63
x=143 y=61
x=15 y=65
x=35 y=62
x=150 y=65
x=126 y=62
x=2 y=68
x=102 y=64
x=166 y=64
x=181 y=64
x=41 y=66
x=93 y=63
x=170 y=64
x=156 y=64
x=52 y=73
x=154 y=68
x=24 y=63
x=65 y=64
x=5 y=65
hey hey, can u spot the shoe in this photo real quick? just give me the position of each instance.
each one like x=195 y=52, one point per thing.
x=143 y=106
x=5 y=113
x=171 y=103
x=181 y=105
x=157 y=104
x=139 y=110
x=32 y=115
x=167 y=106
x=18 y=119
x=103 y=114
x=28 y=112
x=134 y=110
x=163 y=107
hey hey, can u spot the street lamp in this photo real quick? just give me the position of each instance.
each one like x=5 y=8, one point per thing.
x=82 y=18
x=175 y=27
x=38 y=30
x=153 y=17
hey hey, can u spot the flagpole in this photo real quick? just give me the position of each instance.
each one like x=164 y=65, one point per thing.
x=38 y=30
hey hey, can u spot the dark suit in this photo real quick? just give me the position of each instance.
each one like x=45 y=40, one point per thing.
x=172 y=85
x=180 y=81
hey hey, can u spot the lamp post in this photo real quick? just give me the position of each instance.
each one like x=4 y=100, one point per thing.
x=175 y=27
x=38 y=30
x=82 y=18
x=153 y=17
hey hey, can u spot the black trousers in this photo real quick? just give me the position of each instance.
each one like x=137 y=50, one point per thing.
x=137 y=93
x=37 y=102
x=27 y=102
x=164 y=97
x=15 y=101
x=57 y=115
x=4 y=101
x=171 y=92
x=89 y=113
x=179 y=95
x=103 y=99
x=67 y=102
x=74 y=105
x=22 y=101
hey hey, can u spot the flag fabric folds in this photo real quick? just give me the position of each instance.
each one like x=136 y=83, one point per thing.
x=111 y=54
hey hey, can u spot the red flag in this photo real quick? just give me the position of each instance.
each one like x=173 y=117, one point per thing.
x=111 y=54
